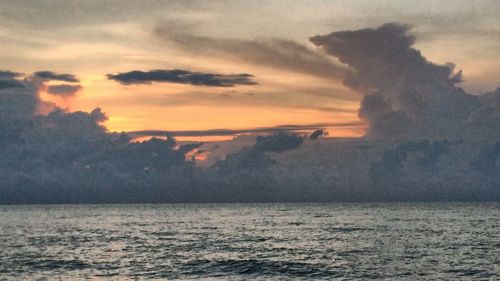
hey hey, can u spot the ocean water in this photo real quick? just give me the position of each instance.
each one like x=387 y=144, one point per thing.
x=390 y=241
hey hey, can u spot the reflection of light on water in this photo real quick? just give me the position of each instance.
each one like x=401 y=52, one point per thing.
x=249 y=241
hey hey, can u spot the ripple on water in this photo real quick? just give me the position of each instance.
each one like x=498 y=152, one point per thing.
x=251 y=241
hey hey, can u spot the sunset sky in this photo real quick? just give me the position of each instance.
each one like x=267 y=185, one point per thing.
x=286 y=79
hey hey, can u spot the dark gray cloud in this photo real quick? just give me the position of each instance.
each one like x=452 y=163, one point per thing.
x=63 y=90
x=254 y=157
x=9 y=79
x=18 y=99
x=5 y=84
x=401 y=89
x=9 y=74
x=182 y=77
x=487 y=160
x=318 y=134
x=62 y=156
x=483 y=122
x=52 y=76
x=392 y=165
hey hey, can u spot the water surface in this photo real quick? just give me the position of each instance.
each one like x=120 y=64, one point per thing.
x=393 y=241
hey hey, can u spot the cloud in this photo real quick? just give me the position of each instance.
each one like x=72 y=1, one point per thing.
x=427 y=140
x=9 y=79
x=52 y=76
x=5 y=84
x=483 y=122
x=20 y=93
x=487 y=160
x=18 y=98
x=63 y=90
x=229 y=132
x=71 y=157
x=318 y=134
x=9 y=74
x=377 y=111
x=274 y=53
x=400 y=87
x=255 y=157
x=391 y=167
x=182 y=77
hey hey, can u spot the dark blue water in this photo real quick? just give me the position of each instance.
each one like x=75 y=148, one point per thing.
x=251 y=241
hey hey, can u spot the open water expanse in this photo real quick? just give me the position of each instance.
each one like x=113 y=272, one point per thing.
x=389 y=241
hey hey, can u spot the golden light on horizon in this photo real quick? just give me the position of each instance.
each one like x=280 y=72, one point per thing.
x=169 y=106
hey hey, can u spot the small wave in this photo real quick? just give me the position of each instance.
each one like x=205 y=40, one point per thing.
x=346 y=229
x=471 y=272
x=50 y=264
x=322 y=216
x=257 y=267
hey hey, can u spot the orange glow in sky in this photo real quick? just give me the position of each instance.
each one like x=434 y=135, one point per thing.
x=296 y=83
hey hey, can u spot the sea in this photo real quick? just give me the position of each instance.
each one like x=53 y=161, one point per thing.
x=281 y=241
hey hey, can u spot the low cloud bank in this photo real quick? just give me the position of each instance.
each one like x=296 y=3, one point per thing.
x=8 y=80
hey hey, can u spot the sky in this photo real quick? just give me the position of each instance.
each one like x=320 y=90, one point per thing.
x=246 y=64
x=231 y=101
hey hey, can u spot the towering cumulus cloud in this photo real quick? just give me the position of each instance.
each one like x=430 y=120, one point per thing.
x=404 y=95
x=427 y=138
